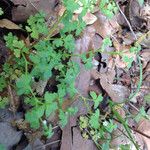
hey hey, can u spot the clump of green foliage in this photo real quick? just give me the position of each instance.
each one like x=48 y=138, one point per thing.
x=96 y=127
x=1 y=11
x=46 y=55
x=108 y=8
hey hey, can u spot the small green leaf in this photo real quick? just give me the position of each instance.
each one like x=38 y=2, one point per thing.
x=2 y=83
x=97 y=101
x=50 y=108
x=141 y=114
x=58 y=42
x=50 y=97
x=2 y=147
x=93 y=95
x=34 y=115
x=94 y=120
x=72 y=110
x=109 y=126
x=63 y=118
x=1 y=11
x=37 y=25
x=69 y=43
x=3 y=102
x=48 y=130
x=147 y=98
x=125 y=147
x=71 y=6
x=105 y=146
x=128 y=60
x=141 y=2
x=24 y=84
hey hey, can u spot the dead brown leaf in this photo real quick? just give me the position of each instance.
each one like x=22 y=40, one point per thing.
x=105 y=27
x=14 y=99
x=70 y=137
x=26 y=8
x=88 y=41
x=144 y=126
x=89 y=18
x=117 y=93
x=5 y=23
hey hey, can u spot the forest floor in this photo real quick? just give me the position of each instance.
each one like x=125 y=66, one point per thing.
x=120 y=74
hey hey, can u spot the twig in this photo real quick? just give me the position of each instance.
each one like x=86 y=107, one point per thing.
x=133 y=106
x=51 y=143
x=33 y=5
x=126 y=21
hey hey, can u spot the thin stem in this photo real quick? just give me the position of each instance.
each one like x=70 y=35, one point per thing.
x=140 y=80
x=125 y=126
x=55 y=26
x=141 y=38
x=126 y=21
x=26 y=63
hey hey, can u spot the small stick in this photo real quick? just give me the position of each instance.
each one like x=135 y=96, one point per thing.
x=126 y=21
x=51 y=143
x=33 y=5
x=133 y=106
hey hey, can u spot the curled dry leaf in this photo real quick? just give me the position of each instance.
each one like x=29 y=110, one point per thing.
x=89 y=18
x=104 y=26
x=117 y=93
x=5 y=23
x=25 y=8
x=144 y=127
x=145 y=55
x=14 y=99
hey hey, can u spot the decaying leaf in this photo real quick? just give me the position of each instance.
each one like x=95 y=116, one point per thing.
x=144 y=127
x=25 y=8
x=5 y=23
x=14 y=99
x=117 y=93
x=84 y=44
x=104 y=26
x=89 y=18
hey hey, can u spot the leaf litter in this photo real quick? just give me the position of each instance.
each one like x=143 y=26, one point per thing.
x=98 y=28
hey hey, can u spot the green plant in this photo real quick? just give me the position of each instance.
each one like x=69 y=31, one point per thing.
x=141 y=2
x=1 y=11
x=147 y=98
x=141 y=114
x=134 y=50
x=3 y=102
x=97 y=99
x=38 y=61
x=49 y=54
x=2 y=147
x=2 y=83
x=108 y=8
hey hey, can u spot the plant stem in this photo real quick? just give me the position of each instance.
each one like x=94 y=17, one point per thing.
x=140 y=80
x=55 y=26
x=125 y=126
x=26 y=63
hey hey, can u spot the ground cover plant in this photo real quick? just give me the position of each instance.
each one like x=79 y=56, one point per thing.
x=46 y=55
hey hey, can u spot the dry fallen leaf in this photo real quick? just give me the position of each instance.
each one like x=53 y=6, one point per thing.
x=104 y=26
x=117 y=93
x=144 y=126
x=25 y=8
x=5 y=23
x=89 y=18
x=14 y=99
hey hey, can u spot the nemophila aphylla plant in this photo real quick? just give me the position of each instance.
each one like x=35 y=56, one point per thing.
x=47 y=54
